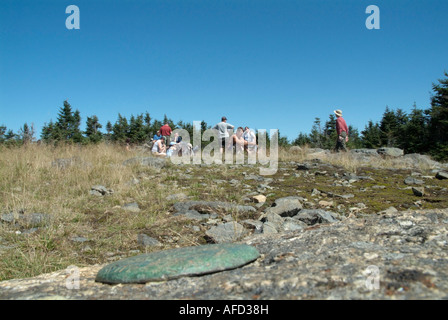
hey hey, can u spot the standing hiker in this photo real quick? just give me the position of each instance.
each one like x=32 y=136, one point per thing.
x=342 y=131
x=166 y=131
x=223 y=134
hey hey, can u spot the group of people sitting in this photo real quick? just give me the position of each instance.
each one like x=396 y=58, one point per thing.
x=244 y=139
x=163 y=145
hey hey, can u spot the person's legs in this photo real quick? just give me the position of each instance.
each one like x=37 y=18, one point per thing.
x=341 y=143
x=168 y=140
x=223 y=144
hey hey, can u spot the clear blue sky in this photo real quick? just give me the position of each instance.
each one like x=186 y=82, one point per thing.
x=268 y=64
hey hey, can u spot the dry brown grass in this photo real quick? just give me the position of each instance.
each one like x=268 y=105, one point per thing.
x=349 y=161
x=31 y=182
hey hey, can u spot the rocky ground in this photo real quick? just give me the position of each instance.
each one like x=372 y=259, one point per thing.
x=323 y=232
x=407 y=252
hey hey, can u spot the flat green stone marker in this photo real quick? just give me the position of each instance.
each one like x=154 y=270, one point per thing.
x=175 y=263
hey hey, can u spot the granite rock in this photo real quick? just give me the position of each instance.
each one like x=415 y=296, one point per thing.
x=327 y=261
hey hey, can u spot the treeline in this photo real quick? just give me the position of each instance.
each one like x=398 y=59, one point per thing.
x=422 y=131
x=67 y=129
x=324 y=136
x=25 y=135
x=136 y=130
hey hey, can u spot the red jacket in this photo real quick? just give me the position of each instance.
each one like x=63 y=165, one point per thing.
x=165 y=130
x=341 y=125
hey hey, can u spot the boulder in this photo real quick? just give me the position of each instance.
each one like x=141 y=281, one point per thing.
x=304 y=166
x=325 y=204
x=36 y=220
x=295 y=149
x=273 y=218
x=9 y=217
x=32 y=220
x=391 y=152
x=368 y=152
x=147 y=241
x=255 y=225
x=270 y=228
x=441 y=175
x=259 y=198
x=195 y=215
x=207 y=207
x=131 y=207
x=99 y=190
x=226 y=232
x=420 y=160
x=285 y=207
x=314 y=216
x=354 y=177
x=412 y=180
x=419 y=192
x=291 y=224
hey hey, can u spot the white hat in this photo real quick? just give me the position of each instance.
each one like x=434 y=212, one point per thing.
x=338 y=113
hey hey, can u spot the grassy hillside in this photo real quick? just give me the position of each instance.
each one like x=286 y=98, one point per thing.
x=85 y=229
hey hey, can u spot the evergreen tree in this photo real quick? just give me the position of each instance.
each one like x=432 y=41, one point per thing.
x=438 y=125
x=400 y=134
x=266 y=136
x=329 y=134
x=302 y=140
x=169 y=121
x=66 y=124
x=156 y=125
x=26 y=133
x=389 y=126
x=147 y=119
x=7 y=137
x=2 y=134
x=371 y=136
x=77 y=134
x=188 y=127
x=10 y=136
x=282 y=140
x=316 y=134
x=204 y=126
x=354 y=141
x=137 y=132
x=109 y=129
x=47 y=134
x=415 y=133
x=92 y=132
x=120 y=129
x=66 y=128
